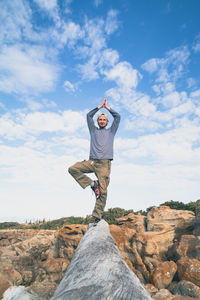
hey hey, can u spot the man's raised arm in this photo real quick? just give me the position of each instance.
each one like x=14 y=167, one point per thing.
x=115 y=115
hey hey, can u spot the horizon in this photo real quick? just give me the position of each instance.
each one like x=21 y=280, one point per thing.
x=58 y=60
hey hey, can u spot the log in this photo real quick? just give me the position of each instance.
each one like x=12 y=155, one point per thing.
x=98 y=272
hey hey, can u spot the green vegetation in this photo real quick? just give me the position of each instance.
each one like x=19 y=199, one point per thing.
x=180 y=205
x=109 y=216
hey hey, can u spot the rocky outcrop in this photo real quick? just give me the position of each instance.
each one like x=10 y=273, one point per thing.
x=186 y=288
x=37 y=259
x=159 y=248
x=97 y=271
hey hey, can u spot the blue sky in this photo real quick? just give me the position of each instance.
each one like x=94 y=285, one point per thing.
x=58 y=59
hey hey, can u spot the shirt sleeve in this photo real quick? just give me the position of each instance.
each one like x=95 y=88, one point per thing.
x=90 y=120
x=116 y=121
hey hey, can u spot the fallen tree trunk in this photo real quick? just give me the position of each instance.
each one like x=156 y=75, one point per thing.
x=98 y=272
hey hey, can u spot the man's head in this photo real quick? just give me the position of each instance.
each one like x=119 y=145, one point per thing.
x=102 y=120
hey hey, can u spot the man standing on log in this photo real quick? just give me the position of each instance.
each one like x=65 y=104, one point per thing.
x=101 y=155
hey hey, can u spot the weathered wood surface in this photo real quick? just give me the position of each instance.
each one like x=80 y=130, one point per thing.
x=98 y=272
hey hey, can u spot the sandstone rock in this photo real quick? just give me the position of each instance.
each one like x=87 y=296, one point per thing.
x=163 y=294
x=182 y=220
x=178 y=297
x=68 y=239
x=39 y=258
x=162 y=275
x=136 y=222
x=186 y=288
x=56 y=265
x=188 y=245
x=151 y=263
x=189 y=269
x=4 y=284
x=151 y=289
x=45 y=288
x=97 y=271
x=11 y=274
x=197 y=220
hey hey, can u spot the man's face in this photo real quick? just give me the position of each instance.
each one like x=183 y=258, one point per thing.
x=102 y=121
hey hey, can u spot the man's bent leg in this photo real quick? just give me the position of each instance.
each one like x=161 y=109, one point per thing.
x=78 y=170
x=102 y=171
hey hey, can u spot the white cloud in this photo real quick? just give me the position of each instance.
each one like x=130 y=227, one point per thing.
x=124 y=75
x=196 y=46
x=171 y=67
x=14 y=21
x=26 y=70
x=68 y=121
x=67 y=33
x=51 y=7
x=98 y=2
x=195 y=94
x=18 y=125
x=109 y=57
x=111 y=21
x=88 y=71
x=172 y=147
x=69 y=87
x=47 y=4
x=191 y=82
x=151 y=65
x=171 y=100
x=164 y=88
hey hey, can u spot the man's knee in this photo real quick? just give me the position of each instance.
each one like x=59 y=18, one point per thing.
x=71 y=170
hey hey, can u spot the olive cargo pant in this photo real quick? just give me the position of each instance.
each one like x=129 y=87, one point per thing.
x=101 y=168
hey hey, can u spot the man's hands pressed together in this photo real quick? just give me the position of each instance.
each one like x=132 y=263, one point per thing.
x=104 y=104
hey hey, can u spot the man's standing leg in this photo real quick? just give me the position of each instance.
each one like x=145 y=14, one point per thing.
x=102 y=171
x=78 y=171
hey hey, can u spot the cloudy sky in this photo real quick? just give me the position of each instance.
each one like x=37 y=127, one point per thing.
x=58 y=59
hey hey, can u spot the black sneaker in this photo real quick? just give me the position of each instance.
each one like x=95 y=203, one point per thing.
x=96 y=221
x=96 y=189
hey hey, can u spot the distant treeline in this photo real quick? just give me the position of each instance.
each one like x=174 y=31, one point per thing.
x=109 y=216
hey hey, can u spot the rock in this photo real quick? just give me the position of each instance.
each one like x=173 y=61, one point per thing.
x=186 y=288
x=97 y=271
x=136 y=222
x=163 y=294
x=181 y=220
x=188 y=245
x=19 y=293
x=189 y=269
x=39 y=259
x=151 y=289
x=197 y=220
x=178 y=297
x=45 y=288
x=162 y=275
x=4 y=284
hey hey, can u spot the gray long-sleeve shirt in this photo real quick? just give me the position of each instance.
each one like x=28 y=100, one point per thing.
x=102 y=139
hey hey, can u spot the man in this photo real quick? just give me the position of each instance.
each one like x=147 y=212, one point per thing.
x=101 y=155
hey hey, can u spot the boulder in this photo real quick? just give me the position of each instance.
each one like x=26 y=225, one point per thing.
x=162 y=275
x=163 y=294
x=4 y=284
x=186 y=246
x=181 y=220
x=186 y=288
x=97 y=271
x=189 y=269
x=19 y=293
